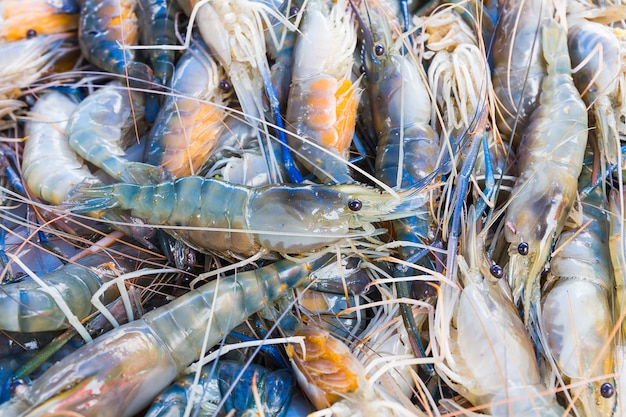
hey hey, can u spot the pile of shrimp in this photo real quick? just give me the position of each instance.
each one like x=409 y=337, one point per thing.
x=312 y=207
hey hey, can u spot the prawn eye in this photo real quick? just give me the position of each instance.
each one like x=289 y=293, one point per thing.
x=544 y=272
x=355 y=205
x=17 y=387
x=31 y=33
x=379 y=49
x=225 y=86
x=523 y=248
x=607 y=390
x=496 y=271
x=294 y=11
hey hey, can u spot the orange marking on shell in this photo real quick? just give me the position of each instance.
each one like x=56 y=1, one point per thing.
x=322 y=85
x=347 y=96
x=186 y=156
x=328 y=364
x=21 y=16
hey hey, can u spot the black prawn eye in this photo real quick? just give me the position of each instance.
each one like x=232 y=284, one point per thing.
x=379 y=49
x=225 y=86
x=355 y=205
x=294 y=11
x=496 y=271
x=523 y=248
x=31 y=33
x=607 y=390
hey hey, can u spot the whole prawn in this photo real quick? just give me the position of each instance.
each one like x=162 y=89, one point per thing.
x=105 y=27
x=283 y=218
x=123 y=370
x=576 y=317
x=483 y=348
x=550 y=160
x=322 y=99
x=191 y=120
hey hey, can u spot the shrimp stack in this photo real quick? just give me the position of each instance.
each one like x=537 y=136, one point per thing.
x=334 y=207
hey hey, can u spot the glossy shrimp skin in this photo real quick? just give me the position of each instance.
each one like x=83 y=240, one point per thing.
x=103 y=126
x=550 y=160
x=322 y=99
x=122 y=371
x=617 y=249
x=304 y=218
x=105 y=23
x=191 y=120
x=44 y=17
x=518 y=64
x=27 y=307
x=50 y=167
x=156 y=23
x=595 y=53
x=576 y=312
x=487 y=355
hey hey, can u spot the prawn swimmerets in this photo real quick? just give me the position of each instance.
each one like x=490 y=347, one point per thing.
x=122 y=371
x=550 y=160
x=322 y=99
x=283 y=218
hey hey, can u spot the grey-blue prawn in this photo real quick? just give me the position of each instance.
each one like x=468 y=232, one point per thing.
x=283 y=218
x=550 y=160
x=121 y=372
x=105 y=28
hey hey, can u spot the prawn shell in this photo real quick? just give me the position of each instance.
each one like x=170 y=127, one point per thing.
x=22 y=16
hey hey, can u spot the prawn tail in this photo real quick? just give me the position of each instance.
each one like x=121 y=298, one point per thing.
x=554 y=44
x=85 y=199
x=141 y=173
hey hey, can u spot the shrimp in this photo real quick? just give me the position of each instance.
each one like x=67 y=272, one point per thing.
x=518 y=64
x=156 y=24
x=595 y=53
x=333 y=378
x=103 y=125
x=550 y=160
x=275 y=389
x=485 y=352
x=122 y=371
x=105 y=26
x=190 y=122
x=283 y=218
x=233 y=30
x=24 y=62
x=576 y=317
x=26 y=19
x=322 y=103
x=52 y=170
x=407 y=147
x=28 y=307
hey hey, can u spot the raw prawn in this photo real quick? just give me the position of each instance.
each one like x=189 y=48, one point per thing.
x=283 y=218
x=550 y=160
x=123 y=370
x=21 y=19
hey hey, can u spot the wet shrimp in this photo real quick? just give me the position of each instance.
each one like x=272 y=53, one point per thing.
x=518 y=64
x=322 y=103
x=283 y=218
x=51 y=168
x=576 y=317
x=24 y=62
x=21 y=19
x=122 y=371
x=103 y=126
x=485 y=352
x=105 y=27
x=191 y=120
x=550 y=160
